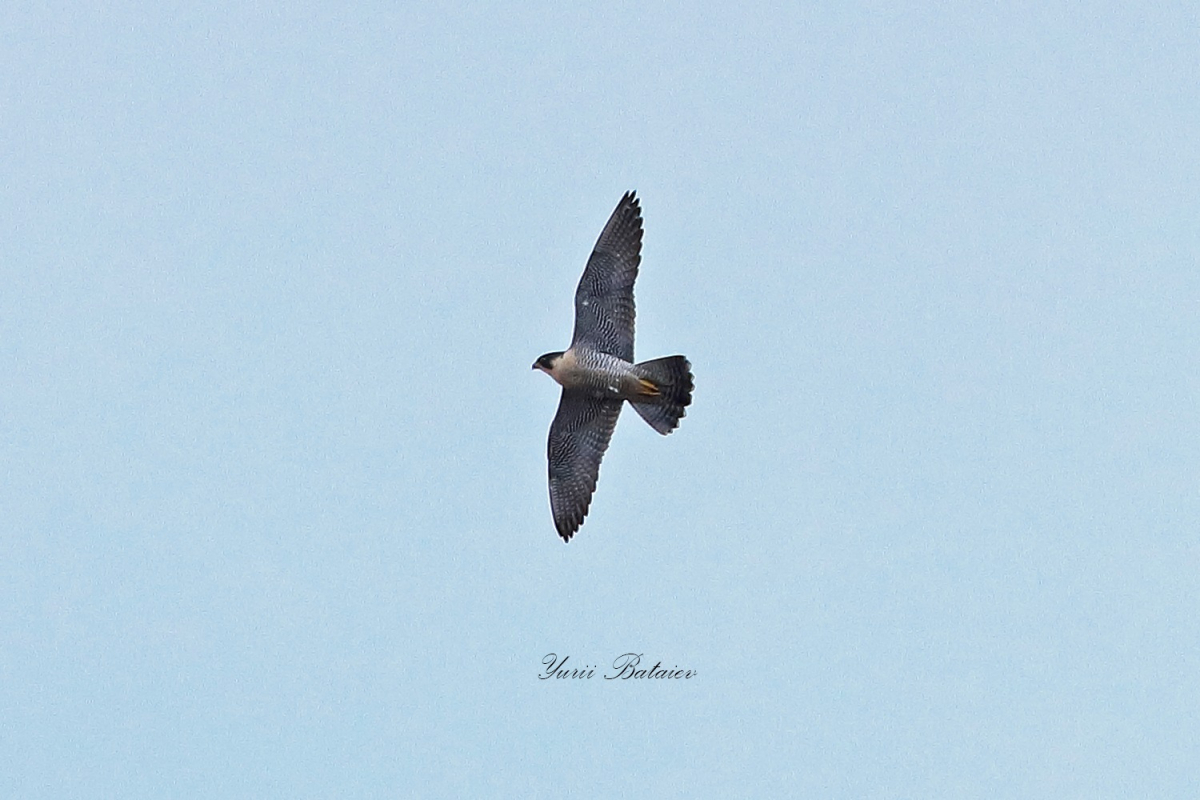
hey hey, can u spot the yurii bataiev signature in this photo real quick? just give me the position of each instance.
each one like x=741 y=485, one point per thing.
x=627 y=666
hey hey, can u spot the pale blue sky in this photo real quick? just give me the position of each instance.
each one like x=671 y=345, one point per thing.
x=274 y=520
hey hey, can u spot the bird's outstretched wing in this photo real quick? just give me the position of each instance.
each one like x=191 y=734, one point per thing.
x=604 y=308
x=579 y=436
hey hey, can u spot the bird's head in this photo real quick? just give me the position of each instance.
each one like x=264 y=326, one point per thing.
x=547 y=362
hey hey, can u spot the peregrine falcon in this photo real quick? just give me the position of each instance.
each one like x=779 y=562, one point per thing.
x=598 y=375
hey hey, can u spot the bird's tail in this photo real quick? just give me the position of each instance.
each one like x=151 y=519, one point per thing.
x=669 y=384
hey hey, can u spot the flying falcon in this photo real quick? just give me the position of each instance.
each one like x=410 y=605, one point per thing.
x=598 y=375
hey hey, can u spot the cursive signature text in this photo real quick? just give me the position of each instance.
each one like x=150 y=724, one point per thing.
x=627 y=666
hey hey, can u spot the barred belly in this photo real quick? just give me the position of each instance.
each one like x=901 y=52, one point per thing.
x=601 y=374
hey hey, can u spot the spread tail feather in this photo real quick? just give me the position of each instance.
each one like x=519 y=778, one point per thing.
x=672 y=380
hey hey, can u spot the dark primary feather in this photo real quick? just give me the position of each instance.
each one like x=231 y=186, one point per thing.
x=604 y=309
x=579 y=436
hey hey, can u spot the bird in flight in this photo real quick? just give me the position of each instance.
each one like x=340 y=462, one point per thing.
x=598 y=375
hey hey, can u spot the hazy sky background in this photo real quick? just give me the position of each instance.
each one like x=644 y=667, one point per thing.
x=274 y=518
